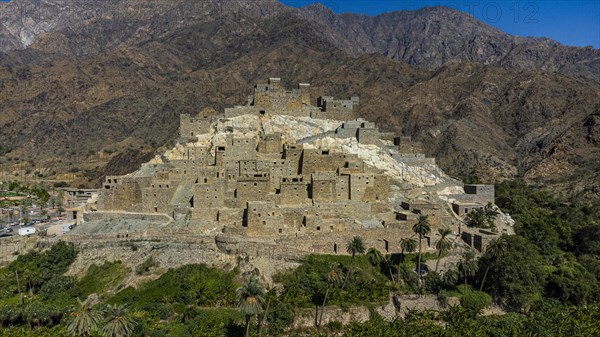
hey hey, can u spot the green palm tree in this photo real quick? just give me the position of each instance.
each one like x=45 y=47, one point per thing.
x=443 y=245
x=85 y=320
x=377 y=258
x=450 y=276
x=334 y=278
x=408 y=245
x=118 y=323
x=355 y=246
x=467 y=266
x=421 y=228
x=250 y=300
x=495 y=249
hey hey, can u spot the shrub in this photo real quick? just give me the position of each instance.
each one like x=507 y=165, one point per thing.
x=145 y=266
x=335 y=325
x=217 y=322
x=99 y=279
x=475 y=300
x=279 y=318
x=409 y=277
x=433 y=282
x=60 y=285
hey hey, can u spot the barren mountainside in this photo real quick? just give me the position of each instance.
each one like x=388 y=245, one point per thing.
x=81 y=93
x=429 y=37
x=437 y=36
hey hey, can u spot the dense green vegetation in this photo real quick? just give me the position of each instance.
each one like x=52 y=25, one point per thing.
x=549 y=320
x=196 y=285
x=36 y=269
x=100 y=279
x=34 y=290
x=306 y=286
x=546 y=277
x=554 y=254
x=16 y=188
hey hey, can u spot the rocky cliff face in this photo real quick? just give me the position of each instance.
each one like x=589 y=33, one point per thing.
x=437 y=36
x=23 y=22
x=81 y=91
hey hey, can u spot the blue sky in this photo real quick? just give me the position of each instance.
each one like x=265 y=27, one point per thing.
x=575 y=23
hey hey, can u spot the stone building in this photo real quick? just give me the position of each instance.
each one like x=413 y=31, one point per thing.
x=475 y=196
x=269 y=187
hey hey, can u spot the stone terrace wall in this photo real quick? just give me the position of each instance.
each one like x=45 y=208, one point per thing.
x=112 y=216
x=12 y=247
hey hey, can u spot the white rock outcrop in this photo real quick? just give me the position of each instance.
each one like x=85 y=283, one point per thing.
x=318 y=134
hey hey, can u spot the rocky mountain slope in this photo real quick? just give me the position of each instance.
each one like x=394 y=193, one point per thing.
x=429 y=37
x=88 y=93
x=436 y=36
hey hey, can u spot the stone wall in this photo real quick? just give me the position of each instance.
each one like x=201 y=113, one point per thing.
x=112 y=216
x=272 y=98
x=479 y=239
x=270 y=144
x=314 y=160
x=193 y=126
x=123 y=193
x=156 y=197
x=483 y=193
x=461 y=208
x=294 y=191
x=295 y=154
x=306 y=318
x=12 y=247
x=323 y=187
x=368 y=136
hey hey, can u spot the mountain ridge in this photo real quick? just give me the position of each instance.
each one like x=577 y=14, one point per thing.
x=69 y=104
x=430 y=37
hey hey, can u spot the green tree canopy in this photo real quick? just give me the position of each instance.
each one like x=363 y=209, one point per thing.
x=516 y=274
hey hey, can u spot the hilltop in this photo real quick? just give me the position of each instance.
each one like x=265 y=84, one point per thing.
x=81 y=91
